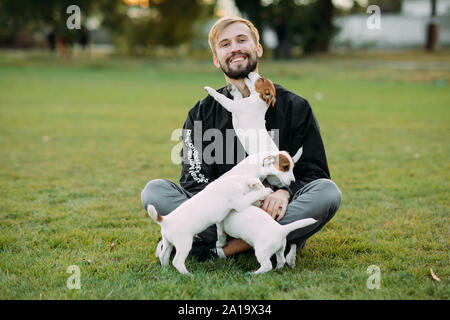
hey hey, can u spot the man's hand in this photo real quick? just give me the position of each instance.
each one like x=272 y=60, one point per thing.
x=276 y=203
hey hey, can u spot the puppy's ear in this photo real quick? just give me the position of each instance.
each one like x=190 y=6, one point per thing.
x=259 y=85
x=272 y=102
x=272 y=93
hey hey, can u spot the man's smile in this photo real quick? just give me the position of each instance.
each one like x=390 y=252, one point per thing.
x=237 y=58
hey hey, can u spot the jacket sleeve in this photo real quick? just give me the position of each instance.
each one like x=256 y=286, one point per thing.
x=306 y=132
x=195 y=173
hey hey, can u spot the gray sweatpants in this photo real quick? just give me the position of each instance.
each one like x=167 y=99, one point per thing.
x=319 y=199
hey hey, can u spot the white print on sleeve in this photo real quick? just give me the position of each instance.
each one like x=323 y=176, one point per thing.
x=194 y=160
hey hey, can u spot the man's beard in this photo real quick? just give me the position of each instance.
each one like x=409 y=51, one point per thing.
x=239 y=73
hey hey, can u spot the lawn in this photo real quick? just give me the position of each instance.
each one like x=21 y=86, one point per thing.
x=80 y=139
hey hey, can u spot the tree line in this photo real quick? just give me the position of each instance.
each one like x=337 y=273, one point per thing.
x=142 y=25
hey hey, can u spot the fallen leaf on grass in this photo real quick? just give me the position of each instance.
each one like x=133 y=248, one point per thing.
x=435 y=277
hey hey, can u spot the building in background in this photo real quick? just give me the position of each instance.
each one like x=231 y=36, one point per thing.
x=398 y=30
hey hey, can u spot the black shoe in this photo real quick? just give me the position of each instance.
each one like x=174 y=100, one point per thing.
x=203 y=251
x=300 y=246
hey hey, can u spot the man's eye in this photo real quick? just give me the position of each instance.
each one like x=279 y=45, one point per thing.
x=225 y=45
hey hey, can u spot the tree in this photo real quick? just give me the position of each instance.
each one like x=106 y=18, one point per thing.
x=317 y=28
x=254 y=11
x=162 y=22
x=29 y=16
x=309 y=23
x=167 y=23
x=432 y=30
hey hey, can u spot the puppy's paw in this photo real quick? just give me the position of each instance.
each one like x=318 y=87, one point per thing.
x=291 y=256
x=253 y=76
x=159 y=248
x=250 y=85
x=258 y=203
x=210 y=91
x=265 y=192
x=220 y=243
x=257 y=187
x=232 y=89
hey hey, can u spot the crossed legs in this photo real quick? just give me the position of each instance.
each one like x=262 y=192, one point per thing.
x=319 y=199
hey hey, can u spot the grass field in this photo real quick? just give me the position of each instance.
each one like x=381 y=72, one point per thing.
x=80 y=139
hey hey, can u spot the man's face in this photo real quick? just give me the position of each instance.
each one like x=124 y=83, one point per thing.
x=236 y=52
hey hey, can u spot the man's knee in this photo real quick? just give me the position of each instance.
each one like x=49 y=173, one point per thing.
x=330 y=193
x=329 y=199
x=320 y=201
x=153 y=191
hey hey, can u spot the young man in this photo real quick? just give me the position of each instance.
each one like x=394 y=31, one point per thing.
x=236 y=49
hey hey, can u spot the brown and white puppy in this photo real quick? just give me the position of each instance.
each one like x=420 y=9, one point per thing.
x=248 y=114
x=253 y=224
x=264 y=165
x=265 y=235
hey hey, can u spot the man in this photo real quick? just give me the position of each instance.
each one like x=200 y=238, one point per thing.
x=236 y=49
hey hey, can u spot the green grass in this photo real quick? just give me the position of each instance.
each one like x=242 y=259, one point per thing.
x=80 y=139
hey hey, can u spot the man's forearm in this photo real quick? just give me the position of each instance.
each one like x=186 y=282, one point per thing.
x=235 y=246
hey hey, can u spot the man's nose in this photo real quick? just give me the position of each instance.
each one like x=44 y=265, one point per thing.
x=235 y=46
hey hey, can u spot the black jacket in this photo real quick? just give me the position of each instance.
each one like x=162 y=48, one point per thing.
x=292 y=116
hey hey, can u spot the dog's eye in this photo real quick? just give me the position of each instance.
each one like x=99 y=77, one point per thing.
x=285 y=168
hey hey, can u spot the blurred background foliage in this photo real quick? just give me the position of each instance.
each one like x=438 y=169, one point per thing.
x=145 y=26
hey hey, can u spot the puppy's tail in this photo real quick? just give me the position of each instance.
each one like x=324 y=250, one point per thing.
x=154 y=214
x=298 y=225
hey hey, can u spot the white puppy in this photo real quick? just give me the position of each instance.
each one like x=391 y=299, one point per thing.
x=207 y=207
x=265 y=235
x=254 y=225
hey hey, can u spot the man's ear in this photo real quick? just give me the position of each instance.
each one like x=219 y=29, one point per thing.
x=259 y=50
x=216 y=62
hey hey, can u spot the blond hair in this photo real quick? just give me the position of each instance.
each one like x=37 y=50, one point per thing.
x=224 y=22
